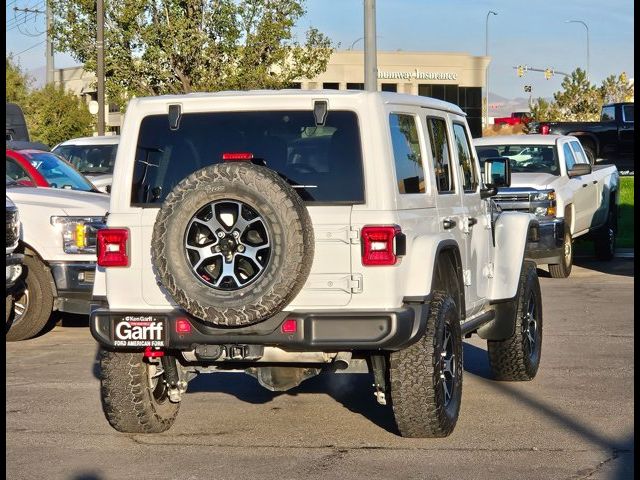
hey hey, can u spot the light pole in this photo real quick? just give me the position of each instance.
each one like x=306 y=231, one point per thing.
x=486 y=54
x=360 y=38
x=585 y=26
x=370 y=49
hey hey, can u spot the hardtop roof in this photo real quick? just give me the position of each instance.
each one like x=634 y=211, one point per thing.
x=385 y=97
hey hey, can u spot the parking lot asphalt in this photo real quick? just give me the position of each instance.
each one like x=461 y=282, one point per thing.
x=573 y=421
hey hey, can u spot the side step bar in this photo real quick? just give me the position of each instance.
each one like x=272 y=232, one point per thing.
x=475 y=322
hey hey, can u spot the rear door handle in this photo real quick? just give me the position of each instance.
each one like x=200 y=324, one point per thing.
x=595 y=181
x=584 y=185
x=448 y=223
x=472 y=221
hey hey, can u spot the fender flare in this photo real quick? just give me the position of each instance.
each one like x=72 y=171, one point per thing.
x=423 y=275
x=511 y=234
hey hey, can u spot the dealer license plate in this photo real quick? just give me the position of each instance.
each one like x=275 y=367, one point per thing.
x=139 y=331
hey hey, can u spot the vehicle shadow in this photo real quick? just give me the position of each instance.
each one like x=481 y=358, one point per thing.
x=353 y=390
x=622 y=454
x=617 y=266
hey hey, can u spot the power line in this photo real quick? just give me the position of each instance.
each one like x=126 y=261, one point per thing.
x=27 y=49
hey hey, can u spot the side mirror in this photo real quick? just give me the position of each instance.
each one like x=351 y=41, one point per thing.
x=579 y=169
x=497 y=172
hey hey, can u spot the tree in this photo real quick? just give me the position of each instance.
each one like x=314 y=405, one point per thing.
x=18 y=82
x=155 y=47
x=54 y=115
x=544 y=110
x=579 y=100
x=616 y=89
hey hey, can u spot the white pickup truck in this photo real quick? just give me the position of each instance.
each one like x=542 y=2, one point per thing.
x=552 y=178
x=282 y=233
x=58 y=242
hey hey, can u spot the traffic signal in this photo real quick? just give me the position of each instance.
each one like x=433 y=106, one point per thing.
x=548 y=73
x=520 y=70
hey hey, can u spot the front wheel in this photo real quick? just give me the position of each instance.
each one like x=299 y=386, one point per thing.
x=518 y=357
x=135 y=396
x=563 y=269
x=426 y=377
x=31 y=302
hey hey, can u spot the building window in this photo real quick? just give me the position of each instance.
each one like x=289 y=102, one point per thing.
x=406 y=153
x=389 y=87
x=440 y=151
x=355 y=86
x=114 y=108
x=331 y=86
x=295 y=85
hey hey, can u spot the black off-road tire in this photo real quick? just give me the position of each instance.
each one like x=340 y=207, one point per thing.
x=291 y=237
x=128 y=400
x=605 y=239
x=563 y=269
x=590 y=152
x=35 y=290
x=513 y=358
x=416 y=392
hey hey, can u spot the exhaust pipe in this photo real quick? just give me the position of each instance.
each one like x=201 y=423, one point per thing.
x=342 y=360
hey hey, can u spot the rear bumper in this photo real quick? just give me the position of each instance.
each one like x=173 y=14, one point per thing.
x=74 y=285
x=315 y=331
x=548 y=248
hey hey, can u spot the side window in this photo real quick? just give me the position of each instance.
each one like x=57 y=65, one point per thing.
x=579 y=153
x=406 y=153
x=627 y=113
x=440 y=151
x=608 y=114
x=569 y=159
x=467 y=165
x=16 y=172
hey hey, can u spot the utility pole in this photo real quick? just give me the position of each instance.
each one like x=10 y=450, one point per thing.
x=370 y=52
x=49 y=53
x=49 y=44
x=100 y=65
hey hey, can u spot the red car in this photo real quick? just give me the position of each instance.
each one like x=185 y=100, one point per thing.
x=37 y=168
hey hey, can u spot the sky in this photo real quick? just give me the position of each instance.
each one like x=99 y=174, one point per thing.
x=529 y=32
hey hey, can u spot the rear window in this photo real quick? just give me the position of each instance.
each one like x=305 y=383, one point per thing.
x=323 y=163
x=89 y=159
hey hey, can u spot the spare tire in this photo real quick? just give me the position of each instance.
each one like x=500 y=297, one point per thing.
x=233 y=244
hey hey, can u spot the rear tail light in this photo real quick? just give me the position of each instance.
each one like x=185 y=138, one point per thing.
x=112 y=247
x=544 y=129
x=382 y=245
x=290 y=325
x=236 y=156
x=183 y=326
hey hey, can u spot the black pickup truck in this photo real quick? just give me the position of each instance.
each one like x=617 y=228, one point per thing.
x=611 y=138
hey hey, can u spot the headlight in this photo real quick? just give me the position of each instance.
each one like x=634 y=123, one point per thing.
x=545 y=203
x=78 y=233
x=544 y=195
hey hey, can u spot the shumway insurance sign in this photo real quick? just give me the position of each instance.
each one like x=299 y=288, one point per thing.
x=417 y=74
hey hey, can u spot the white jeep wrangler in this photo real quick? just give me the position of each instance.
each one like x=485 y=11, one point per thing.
x=286 y=233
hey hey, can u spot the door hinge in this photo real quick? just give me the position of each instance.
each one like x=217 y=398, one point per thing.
x=354 y=235
x=355 y=284
x=466 y=276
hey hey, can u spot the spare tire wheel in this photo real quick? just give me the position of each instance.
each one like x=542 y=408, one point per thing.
x=233 y=244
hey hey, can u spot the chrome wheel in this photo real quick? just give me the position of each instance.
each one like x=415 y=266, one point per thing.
x=567 y=251
x=447 y=366
x=530 y=328
x=227 y=245
x=20 y=306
